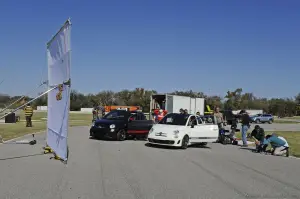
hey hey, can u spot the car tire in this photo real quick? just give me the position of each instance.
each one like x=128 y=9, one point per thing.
x=203 y=144
x=257 y=121
x=121 y=135
x=270 y=121
x=185 y=142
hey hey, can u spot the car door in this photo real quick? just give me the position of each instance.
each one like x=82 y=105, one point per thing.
x=138 y=124
x=207 y=132
x=263 y=118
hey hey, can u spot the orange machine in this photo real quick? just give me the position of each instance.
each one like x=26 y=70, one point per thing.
x=130 y=108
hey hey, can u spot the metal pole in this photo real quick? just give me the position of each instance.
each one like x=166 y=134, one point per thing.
x=21 y=98
x=29 y=102
x=1 y=81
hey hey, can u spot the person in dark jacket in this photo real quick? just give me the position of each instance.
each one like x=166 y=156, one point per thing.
x=245 y=126
x=258 y=134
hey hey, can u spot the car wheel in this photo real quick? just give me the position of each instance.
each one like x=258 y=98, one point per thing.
x=257 y=121
x=121 y=135
x=203 y=144
x=92 y=135
x=270 y=121
x=185 y=142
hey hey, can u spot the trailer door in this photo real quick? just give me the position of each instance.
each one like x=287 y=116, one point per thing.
x=200 y=105
x=181 y=102
x=169 y=103
x=193 y=105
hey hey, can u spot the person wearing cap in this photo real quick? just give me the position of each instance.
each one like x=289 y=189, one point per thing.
x=258 y=134
x=279 y=144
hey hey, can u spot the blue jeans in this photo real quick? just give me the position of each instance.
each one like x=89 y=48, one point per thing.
x=244 y=134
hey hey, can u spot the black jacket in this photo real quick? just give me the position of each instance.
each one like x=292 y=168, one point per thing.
x=259 y=134
x=245 y=119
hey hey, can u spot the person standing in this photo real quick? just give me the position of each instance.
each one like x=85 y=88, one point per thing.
x=28 y=115
x=186 y=112
x=101 y=112
x=245 y=126
x=181 y=111
x=219 y=117
x=95 y=113
x=160 y=115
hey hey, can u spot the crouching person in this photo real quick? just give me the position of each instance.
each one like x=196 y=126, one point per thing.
x=258 y=134
x=279 y=144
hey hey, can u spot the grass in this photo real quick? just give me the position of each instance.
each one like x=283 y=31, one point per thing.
x=285 y=122
x=10 y=131
x=295 y=117
x=293 y=138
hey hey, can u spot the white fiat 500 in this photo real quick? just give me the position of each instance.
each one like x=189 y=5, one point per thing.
x=181 y=130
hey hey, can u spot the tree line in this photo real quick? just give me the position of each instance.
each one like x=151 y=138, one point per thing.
x=235 y=100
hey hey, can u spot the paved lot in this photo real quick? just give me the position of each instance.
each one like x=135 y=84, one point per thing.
x=131 y=170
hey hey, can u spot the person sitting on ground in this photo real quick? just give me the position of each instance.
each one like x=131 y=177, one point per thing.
x=279 y=144
x=258 y=134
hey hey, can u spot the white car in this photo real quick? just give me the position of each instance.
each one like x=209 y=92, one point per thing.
x=181 y=130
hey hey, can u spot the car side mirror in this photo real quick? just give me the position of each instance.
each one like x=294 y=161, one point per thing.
x=192 y=126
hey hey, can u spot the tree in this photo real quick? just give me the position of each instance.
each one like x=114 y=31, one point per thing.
x=141 y=97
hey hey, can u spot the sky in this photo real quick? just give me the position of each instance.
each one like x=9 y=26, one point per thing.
x=209 y=46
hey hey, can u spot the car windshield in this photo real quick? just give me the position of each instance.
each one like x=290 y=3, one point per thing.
x=115 y=115
x=257 y=115
x=175 y=119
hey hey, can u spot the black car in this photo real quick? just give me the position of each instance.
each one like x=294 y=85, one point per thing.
x=119 y=124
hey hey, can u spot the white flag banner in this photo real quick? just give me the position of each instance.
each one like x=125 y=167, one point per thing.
x=59 y=61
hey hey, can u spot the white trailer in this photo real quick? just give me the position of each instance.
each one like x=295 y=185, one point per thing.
x=173 y=103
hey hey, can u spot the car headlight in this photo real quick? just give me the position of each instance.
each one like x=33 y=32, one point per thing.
x=112 y=126
x=93 y=123
x=151 y=131
x=176 y=132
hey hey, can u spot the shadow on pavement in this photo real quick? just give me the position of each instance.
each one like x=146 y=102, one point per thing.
x=161 y=146
x=174 y=148
x=248 y=149
x=24 y=156
x=199 y=146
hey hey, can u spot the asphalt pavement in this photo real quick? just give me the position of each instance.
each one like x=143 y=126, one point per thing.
x=131 y=170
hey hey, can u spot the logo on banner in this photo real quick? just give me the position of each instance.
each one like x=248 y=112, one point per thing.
x=59 y=94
